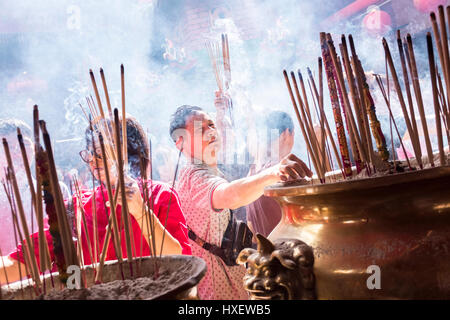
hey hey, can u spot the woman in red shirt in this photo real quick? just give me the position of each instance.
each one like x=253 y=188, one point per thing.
x=166 y=208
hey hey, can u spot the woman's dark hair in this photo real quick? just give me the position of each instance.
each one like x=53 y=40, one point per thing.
x=179 y=118
x=137 y=144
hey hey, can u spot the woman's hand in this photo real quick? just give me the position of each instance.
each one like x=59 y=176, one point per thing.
x=135 y=203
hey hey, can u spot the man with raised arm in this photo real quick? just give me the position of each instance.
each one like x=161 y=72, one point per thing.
x=206 y=197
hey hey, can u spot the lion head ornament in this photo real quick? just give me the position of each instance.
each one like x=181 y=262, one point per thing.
x=282 y=270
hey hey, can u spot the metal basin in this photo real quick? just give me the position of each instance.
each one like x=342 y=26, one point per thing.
x=400 y=223
x=183 y=286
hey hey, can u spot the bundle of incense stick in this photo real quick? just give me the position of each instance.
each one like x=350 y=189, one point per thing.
x=108 y=135
x=357 y=129
x=63 y=244
x=47 y=182
x=444 y=57
x=226 y=61
x=354 y=110
x=309 y=136
x=440 y=95
x=107 y=128
x=220 y=61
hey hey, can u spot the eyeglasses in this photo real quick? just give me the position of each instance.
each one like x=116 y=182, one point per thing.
x=88 y=155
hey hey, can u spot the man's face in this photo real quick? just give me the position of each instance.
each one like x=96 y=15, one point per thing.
x=16 y=154
x=201 y=139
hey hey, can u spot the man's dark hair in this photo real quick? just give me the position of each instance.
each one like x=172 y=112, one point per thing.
x=279 y=120
x=9 y=126
x=179 y=118
x=137 y=144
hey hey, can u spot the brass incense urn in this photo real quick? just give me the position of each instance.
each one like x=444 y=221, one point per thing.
x=376 y=238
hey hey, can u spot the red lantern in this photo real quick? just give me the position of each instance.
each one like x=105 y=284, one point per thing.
x=377 y=22
x=428 y=5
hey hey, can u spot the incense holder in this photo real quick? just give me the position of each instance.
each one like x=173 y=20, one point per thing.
x=376 y=238
x=176 y=277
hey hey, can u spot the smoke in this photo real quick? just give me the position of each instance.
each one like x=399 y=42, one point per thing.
x=49 y=47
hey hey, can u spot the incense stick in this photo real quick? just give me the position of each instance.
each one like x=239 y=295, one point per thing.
x=445 y=112
x=326 y=166
x=94 y=85
x=356 y=102
x=439 y=44
x=369 y=105
x=304 y=108
x=105 y=89
x=325 y=158
x=81 y=220
x=321 y=144
x=320 y=100
x=170 y=200
x=113 y=218
x=388 y=104
x=400 y=97
x=29 y=250
x=66 y=234
x=305 y=136
x=444 y=44
x=418 y=94
x=435 y=99
x=328 y=64
x=124 y=118
x=122 y=190
x=364 y=92
x=152 y=217
x=35 y=203
x=44 y=251
x=414 y=139
x=354 y=134
x=212 y=49
x=13 y=216
x=94 y=202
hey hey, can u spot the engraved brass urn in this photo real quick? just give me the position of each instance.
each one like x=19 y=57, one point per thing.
x=399 y=223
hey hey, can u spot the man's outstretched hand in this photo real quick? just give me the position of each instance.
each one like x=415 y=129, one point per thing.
x=291 y=168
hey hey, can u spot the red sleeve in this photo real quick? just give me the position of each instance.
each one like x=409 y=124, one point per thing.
x=176 y=222
x=19 y=252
